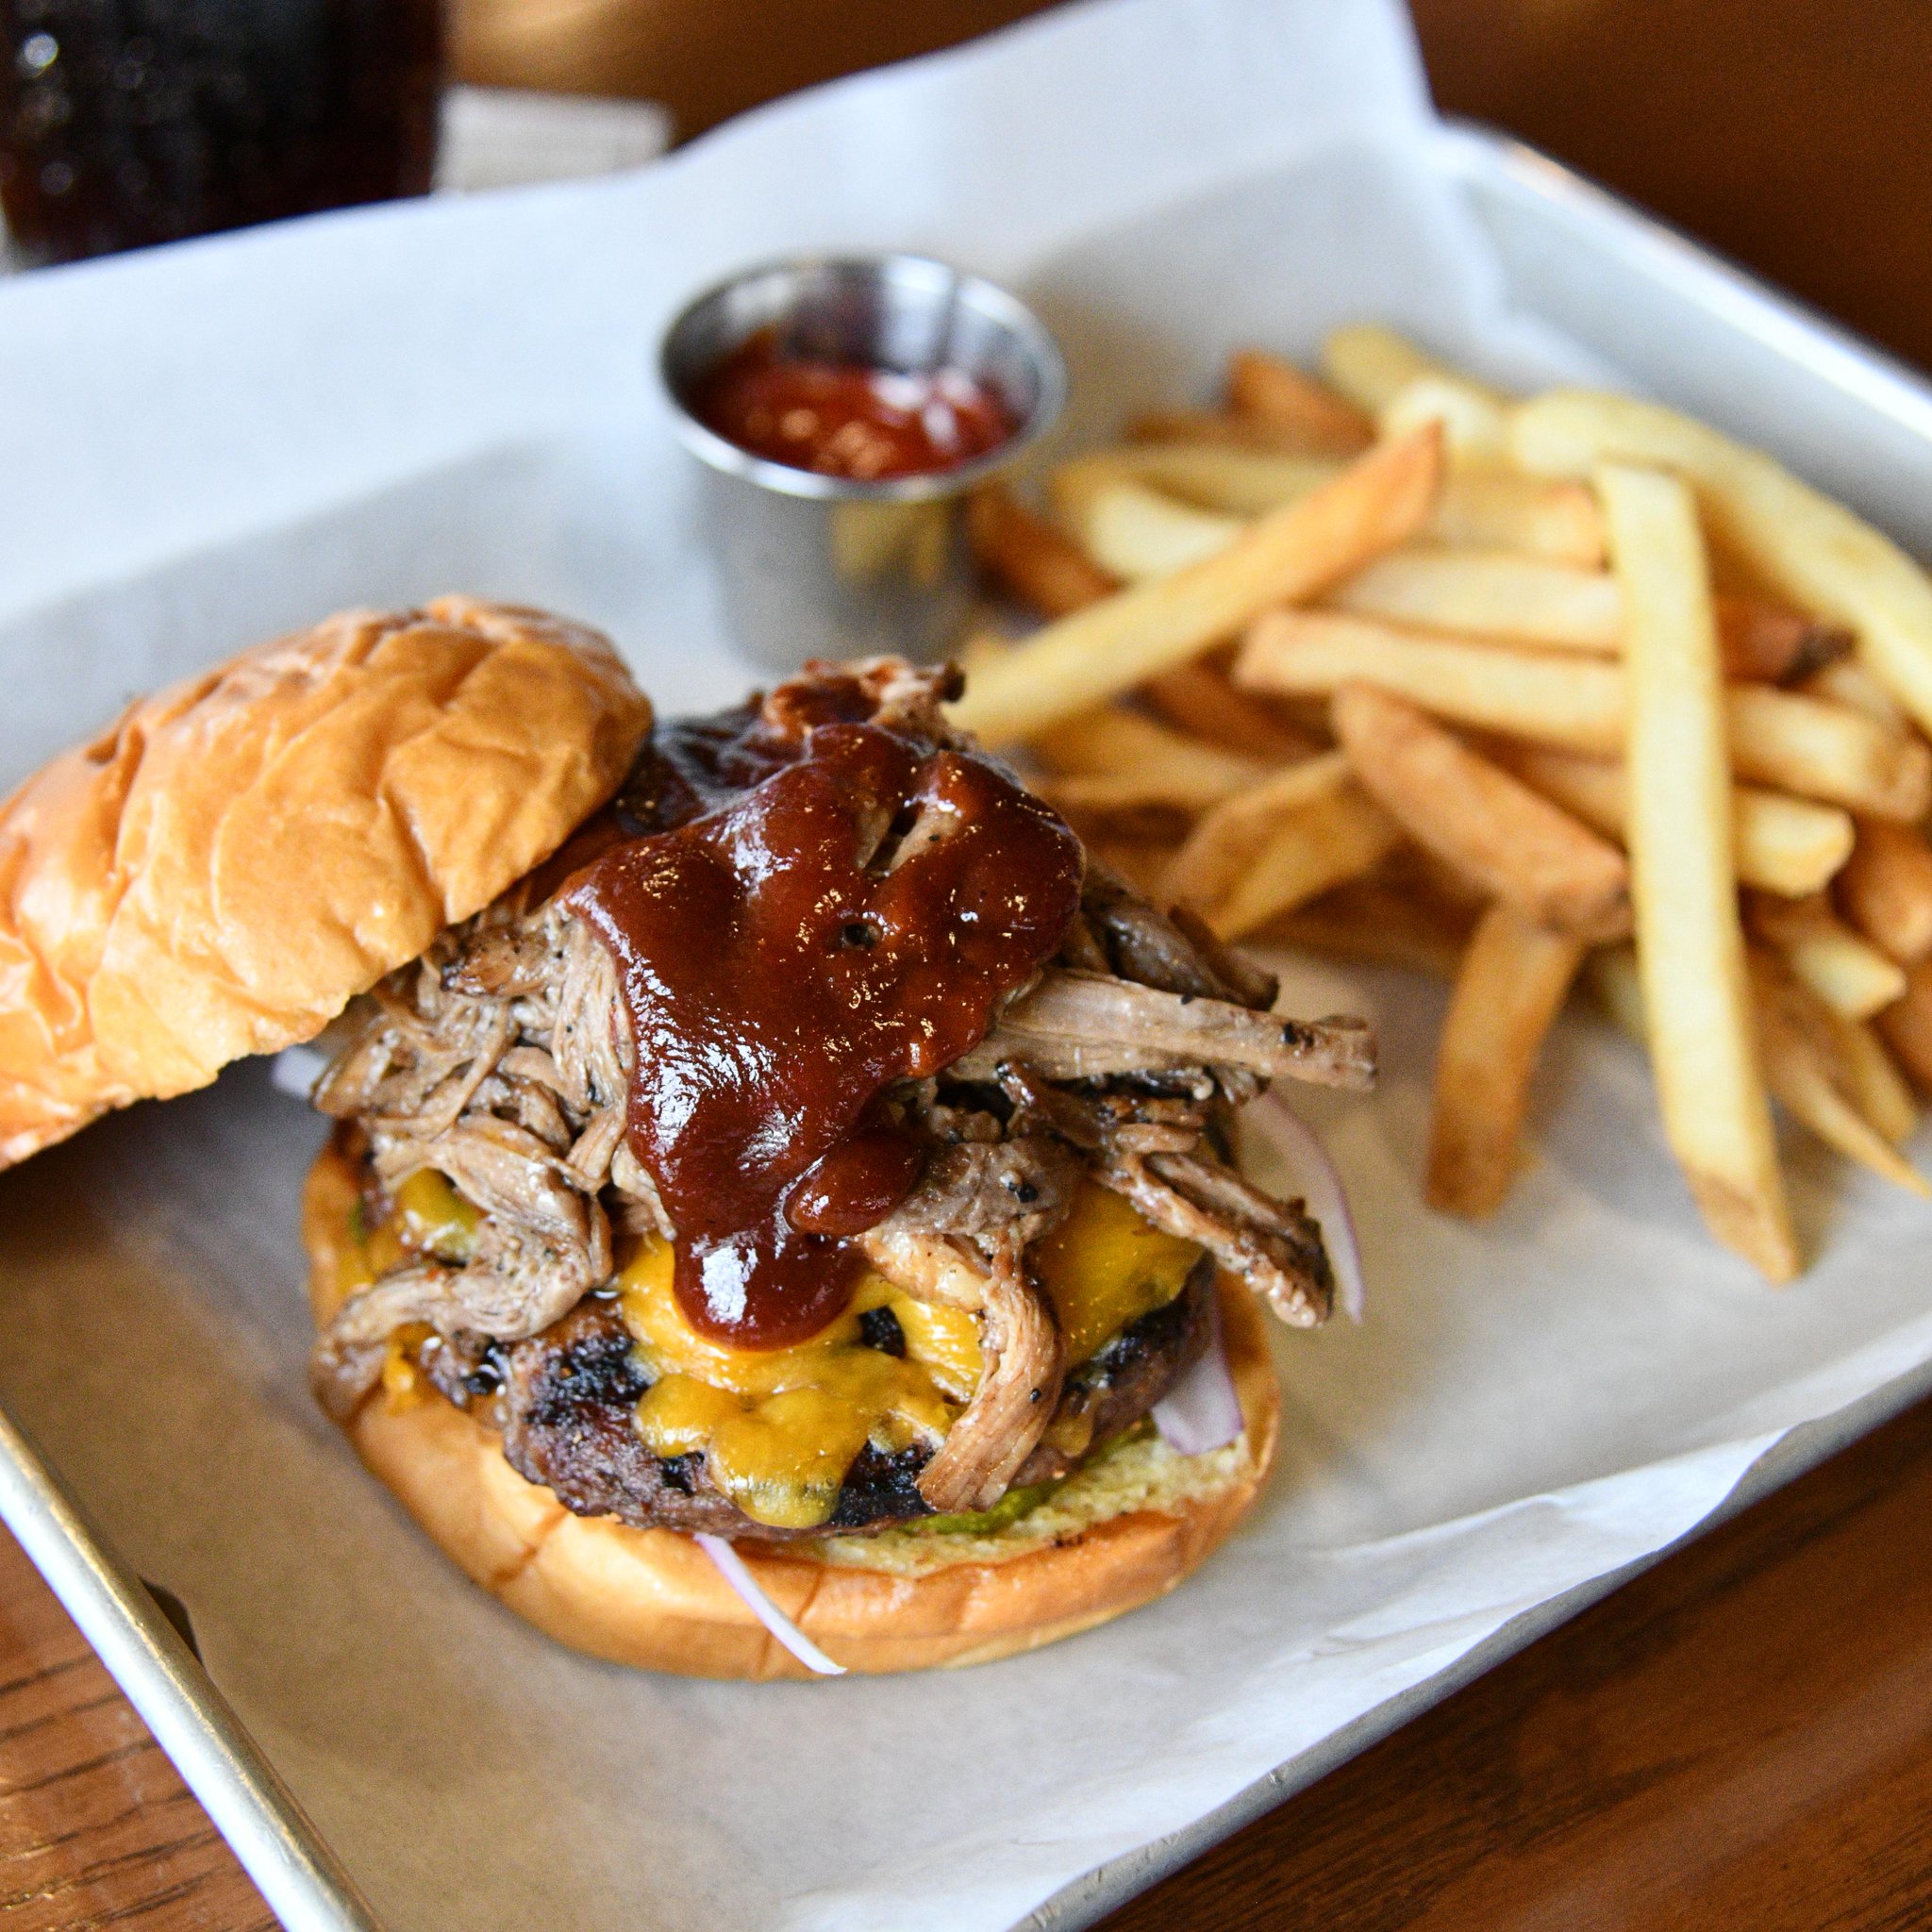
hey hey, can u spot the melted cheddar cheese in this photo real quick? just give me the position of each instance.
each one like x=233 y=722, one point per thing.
x=1104 y=1266
x=427 y=1217
x=432 y=1218
x=779 y=1428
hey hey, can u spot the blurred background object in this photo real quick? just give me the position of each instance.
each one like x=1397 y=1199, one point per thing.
x=705 y=60
x=501 y=137
x=1793 y=135
x=1789 y=134
x=130 y=122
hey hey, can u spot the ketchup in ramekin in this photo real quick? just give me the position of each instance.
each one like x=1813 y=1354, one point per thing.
x=847 y=419
x=841 y=409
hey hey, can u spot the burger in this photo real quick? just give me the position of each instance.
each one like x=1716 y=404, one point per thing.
x=781 y=1213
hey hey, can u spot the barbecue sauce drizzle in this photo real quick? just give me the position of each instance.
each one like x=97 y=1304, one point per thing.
x=813 y=907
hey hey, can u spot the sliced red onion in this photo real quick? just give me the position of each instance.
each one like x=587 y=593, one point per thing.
x=1201 y=1411
x=1316 y=1178
x=731 y=1567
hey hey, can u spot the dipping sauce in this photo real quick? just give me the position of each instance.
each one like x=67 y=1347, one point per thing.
x=833 y=908
x=845 y=419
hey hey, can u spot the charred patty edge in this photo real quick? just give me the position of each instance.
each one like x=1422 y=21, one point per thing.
x=563 y=1404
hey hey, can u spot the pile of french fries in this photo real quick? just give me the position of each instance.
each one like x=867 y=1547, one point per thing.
x=1536 y=693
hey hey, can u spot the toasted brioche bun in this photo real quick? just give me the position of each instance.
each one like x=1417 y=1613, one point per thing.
x=651 y=1598
x=229 y=864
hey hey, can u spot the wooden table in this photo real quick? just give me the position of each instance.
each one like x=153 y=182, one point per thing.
x=1742 y=1736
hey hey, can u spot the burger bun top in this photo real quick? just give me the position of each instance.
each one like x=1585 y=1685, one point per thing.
x=238 y=856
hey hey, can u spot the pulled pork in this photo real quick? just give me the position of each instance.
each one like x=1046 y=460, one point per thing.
x=503 y=1059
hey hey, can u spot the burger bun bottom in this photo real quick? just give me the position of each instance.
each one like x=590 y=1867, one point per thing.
x=653 y=1599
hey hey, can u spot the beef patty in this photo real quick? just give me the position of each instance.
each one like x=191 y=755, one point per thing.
x=565 y=1402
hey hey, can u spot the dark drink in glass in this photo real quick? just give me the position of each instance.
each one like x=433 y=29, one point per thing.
x=129 y=122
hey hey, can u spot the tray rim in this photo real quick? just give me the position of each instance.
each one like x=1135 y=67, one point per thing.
x=299 y=1874
x=1476 y=155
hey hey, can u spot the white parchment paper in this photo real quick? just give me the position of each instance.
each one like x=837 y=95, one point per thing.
x=205 y=444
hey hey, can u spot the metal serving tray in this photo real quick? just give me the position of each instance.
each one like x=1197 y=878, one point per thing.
x=1682 y=323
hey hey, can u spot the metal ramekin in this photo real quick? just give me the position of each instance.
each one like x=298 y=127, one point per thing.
x=817 y=566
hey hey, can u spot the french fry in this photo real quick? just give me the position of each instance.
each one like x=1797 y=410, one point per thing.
x=1691 y=952
x=1812 y=550
x=1511 y=986
x=1202 y=699
x=1783 y=844
x=1862 y=1070
x=1593 y=787
x=1478 y=581
x=1292 y=553
x=1796 y=1042
x=1226 y=431
x=984 y=641
x=1208 y=476
x=1885 y=888
x=1824 y=750
x=1133 y=532
x=1482 y=822
x=1417 y=869
x=1783 y=739
x=1377 y=923
x=1845 y=971
x=1493 y=510
x=1225 y=842
x=1474 y=419
x=1327 y=841
x=1773 y=645
x=1028 y=559
x=1490 y=594
x=1497 y=509
x=1268 y=389
x=1574 y=702
x=1850 y=684
x=1142 y=862
x=1126 y=759
x=1371 y=364
x=1870 y=1079
x=1127 y=805
x=1905 y=1026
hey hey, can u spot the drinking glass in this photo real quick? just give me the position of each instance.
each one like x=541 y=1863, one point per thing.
x=130 y=122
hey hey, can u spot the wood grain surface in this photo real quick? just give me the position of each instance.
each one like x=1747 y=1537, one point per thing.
x=1738 y=1737
x=95 y=1827
x=1741 y=1737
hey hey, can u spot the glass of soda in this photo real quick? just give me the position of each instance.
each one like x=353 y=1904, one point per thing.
x=129 y=122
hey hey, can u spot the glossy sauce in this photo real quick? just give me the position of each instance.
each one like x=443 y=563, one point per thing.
x=845 y=419
x=779 y=975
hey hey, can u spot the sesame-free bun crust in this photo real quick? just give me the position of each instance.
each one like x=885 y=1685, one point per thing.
x=231 y=862
x=651 y=1598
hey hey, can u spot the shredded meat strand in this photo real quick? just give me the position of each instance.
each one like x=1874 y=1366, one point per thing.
x=503 y=1061
x=1025 y=1361
x=1141 y=1025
